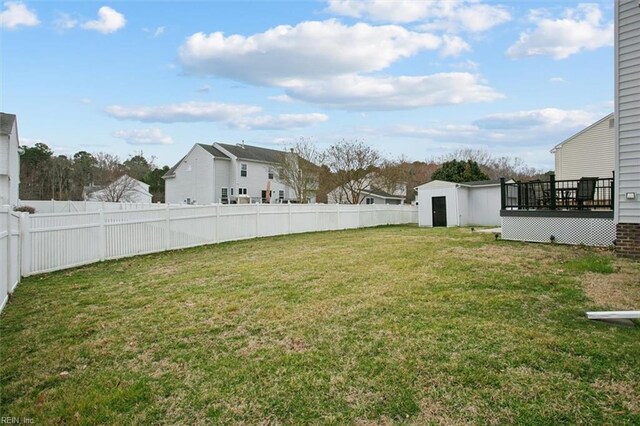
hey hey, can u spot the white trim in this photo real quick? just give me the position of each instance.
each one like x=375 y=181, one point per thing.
x=609 y=116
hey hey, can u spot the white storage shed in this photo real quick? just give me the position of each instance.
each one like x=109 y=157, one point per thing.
x=445 y=203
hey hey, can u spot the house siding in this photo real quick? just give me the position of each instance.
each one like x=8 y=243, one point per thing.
x=628 y=110
x=425 y=207
x=574 y=158
x=194 y=179
x=484 y=203
x=9 y=167
x=222 y=170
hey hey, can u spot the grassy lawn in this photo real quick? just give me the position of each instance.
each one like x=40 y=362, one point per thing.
x=385 y=325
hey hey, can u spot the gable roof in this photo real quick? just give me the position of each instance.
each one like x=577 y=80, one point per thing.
x=382 y=194
x=6 y=123
x=476 y=183
x=555 y=148
x=215 y=152
x=253 y=153
x=481 y=182
x=212 y=150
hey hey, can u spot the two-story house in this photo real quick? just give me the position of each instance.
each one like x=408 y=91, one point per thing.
x=225 y=173
x=9 y=160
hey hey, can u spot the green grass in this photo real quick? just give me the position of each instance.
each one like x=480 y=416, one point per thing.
x=384 y=325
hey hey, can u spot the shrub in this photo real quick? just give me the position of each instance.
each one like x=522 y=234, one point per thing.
x=26 y=209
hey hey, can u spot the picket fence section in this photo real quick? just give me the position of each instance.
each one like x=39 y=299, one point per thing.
x=54 y=206
x=9 y=253
x=38 y=243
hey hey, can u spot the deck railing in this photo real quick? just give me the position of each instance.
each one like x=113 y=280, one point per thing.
x=587 y=193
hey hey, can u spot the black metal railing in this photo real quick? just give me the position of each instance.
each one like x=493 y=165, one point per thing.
x=587 y=193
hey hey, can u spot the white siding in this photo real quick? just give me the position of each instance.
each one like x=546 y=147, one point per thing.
x=628 y=110
x=194 y=179
x=425 y=209
x=575 y=157
x=484 y=206
x=9 y=167
x=222 y=167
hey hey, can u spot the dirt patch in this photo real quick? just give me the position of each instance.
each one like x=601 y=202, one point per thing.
x=624 y=391
x=619 y=290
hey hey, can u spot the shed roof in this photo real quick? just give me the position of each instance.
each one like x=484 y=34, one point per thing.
x=6 y=123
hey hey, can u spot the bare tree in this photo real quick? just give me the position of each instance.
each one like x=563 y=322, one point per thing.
x=121 y=190
x=298 y=169
x=351 y=165
x=107 y=168
x=494 y=167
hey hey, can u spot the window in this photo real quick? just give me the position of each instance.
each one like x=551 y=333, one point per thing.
x=224 y=193
x=243 y=170
x=369 y=200
x=270 y=173
x=281 y=195
x=242 y=191
x=231 y=191
x=611 y=123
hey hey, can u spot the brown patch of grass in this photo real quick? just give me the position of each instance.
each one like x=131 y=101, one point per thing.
x=619 y=290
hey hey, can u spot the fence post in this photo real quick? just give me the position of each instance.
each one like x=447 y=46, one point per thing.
x=25 y=244
x=359 y=215
x=612 y=189
x=338 y=216
x=552 y=188
x=289 y=215
x=10 y=255
x=167 y=228
x=503 y=192
x=102 y=237
x=257 y=220
x=217 y=224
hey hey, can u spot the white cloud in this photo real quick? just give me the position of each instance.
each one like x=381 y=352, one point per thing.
x=109 y=21
x=232 y=115
x=278 y=122
x=204 y=89
x=309 y=50
x=579 y=29
x=17 y=14
x=152 y=136
x=550 y=119
x=557 y=80
x=158 y=32
x=64 y=21
x=281 y=98
x=454 y=46
x=183 y=112
x=451 y=15
x=85 y=101
x=388 y=93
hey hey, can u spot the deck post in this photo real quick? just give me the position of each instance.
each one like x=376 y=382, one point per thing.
x=503 y=192
x=613 y=189
x=552 y=189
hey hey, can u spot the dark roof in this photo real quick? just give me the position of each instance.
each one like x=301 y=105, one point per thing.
x=212 y=150
x=255 y=153
x=6 y=123
x=481 y=182
x=382 y=194
x=209 y=148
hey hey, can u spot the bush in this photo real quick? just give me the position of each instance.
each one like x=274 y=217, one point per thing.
x=26 y=209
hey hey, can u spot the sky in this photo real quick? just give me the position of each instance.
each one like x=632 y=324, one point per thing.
x=417 y=79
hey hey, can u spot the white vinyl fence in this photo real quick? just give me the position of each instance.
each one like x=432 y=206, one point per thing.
x=54 y=206
x=9 y=253
x=37 y=243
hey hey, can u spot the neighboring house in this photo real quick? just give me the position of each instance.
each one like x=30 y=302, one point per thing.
x=445 y=203
x=125 y=189
x=627 y=111
x=574 y=158
x=371 y=194
x=224 y=173
x=9 y=159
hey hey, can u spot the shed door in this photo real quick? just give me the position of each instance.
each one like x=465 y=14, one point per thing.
x=439 y=205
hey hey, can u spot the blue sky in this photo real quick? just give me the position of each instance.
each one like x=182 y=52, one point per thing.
x=412 y=78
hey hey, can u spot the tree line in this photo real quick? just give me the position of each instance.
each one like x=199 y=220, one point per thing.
x=349 y=166
x=45 y=176
x=352 y=167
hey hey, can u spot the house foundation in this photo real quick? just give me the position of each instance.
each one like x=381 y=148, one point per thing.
x=628 y=240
